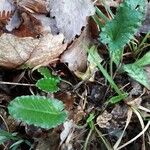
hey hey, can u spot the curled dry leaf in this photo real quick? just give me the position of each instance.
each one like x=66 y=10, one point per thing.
x=68 y=125
x=27 y=19
x=76 y=55
x=6 y=9
x=71 y=15
x=103 y=119
x=30 y=52
x=34 y=6
x=14 y=22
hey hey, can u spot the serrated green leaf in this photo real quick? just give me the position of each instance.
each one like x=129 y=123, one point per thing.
x=137 y=73
x=48 y=84
x=38 y=110
x=45 y=72
x=120 y=30
x=5 y=136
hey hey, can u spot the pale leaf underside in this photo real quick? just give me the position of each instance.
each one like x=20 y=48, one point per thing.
x=28 y=51
x=71 y=15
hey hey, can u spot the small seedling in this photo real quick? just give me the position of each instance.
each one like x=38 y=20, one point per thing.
x=39 y=110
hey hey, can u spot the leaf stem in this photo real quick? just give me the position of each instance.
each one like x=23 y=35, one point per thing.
x=100 y=14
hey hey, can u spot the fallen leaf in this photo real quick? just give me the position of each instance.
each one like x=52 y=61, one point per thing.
x=71 y=16
x=68 y=125
x=6 y=9
x=46 y=24
x=103 y=119
x=76 y=54
x=30 y=52
x=34 y=6
x=146 y=24
x=14 y=22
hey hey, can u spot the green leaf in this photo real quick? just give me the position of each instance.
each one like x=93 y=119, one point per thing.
x=45 y=72
x=145 y=60
x=118 y=98
x=137 y=73
x=48 y=84
x=38 y=110
x=95 y=60
x=120 y=30
x=5 y=136
x=90 y=118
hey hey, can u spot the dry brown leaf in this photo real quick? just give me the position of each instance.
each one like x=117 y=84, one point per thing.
x=34 y=6
x=6 y=9
x=103 y=119
x=14 y=22
x=30 y=52
x=76 y=55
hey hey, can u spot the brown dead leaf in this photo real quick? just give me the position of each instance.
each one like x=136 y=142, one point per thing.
x=76 y=55
x=6 y=9
x=103 y=119
x=14 y=22
x=30 y=52
x=34 y=6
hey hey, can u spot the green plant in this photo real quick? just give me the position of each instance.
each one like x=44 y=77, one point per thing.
x=121 y=29
x=95 y=60
x=116 y=33
x=39 y=110
x=90 y=123
x=6 y=136
x=49 y=82
x=136 y=70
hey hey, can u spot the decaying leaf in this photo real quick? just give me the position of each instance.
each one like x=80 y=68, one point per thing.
x=71 y=15
x=34 y=6
x=46 y=24
x=76 y=55
x=28 y=51
x=103 y=120
x=14 y=22
x=6 y=9
x=146 y=24
x=68 y=125
x=26 y=20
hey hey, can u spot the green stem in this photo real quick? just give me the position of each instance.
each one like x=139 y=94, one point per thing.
x=107 y=144
x=110 y=80
x=100 y=14
x=96 y=19
x=87 y=139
